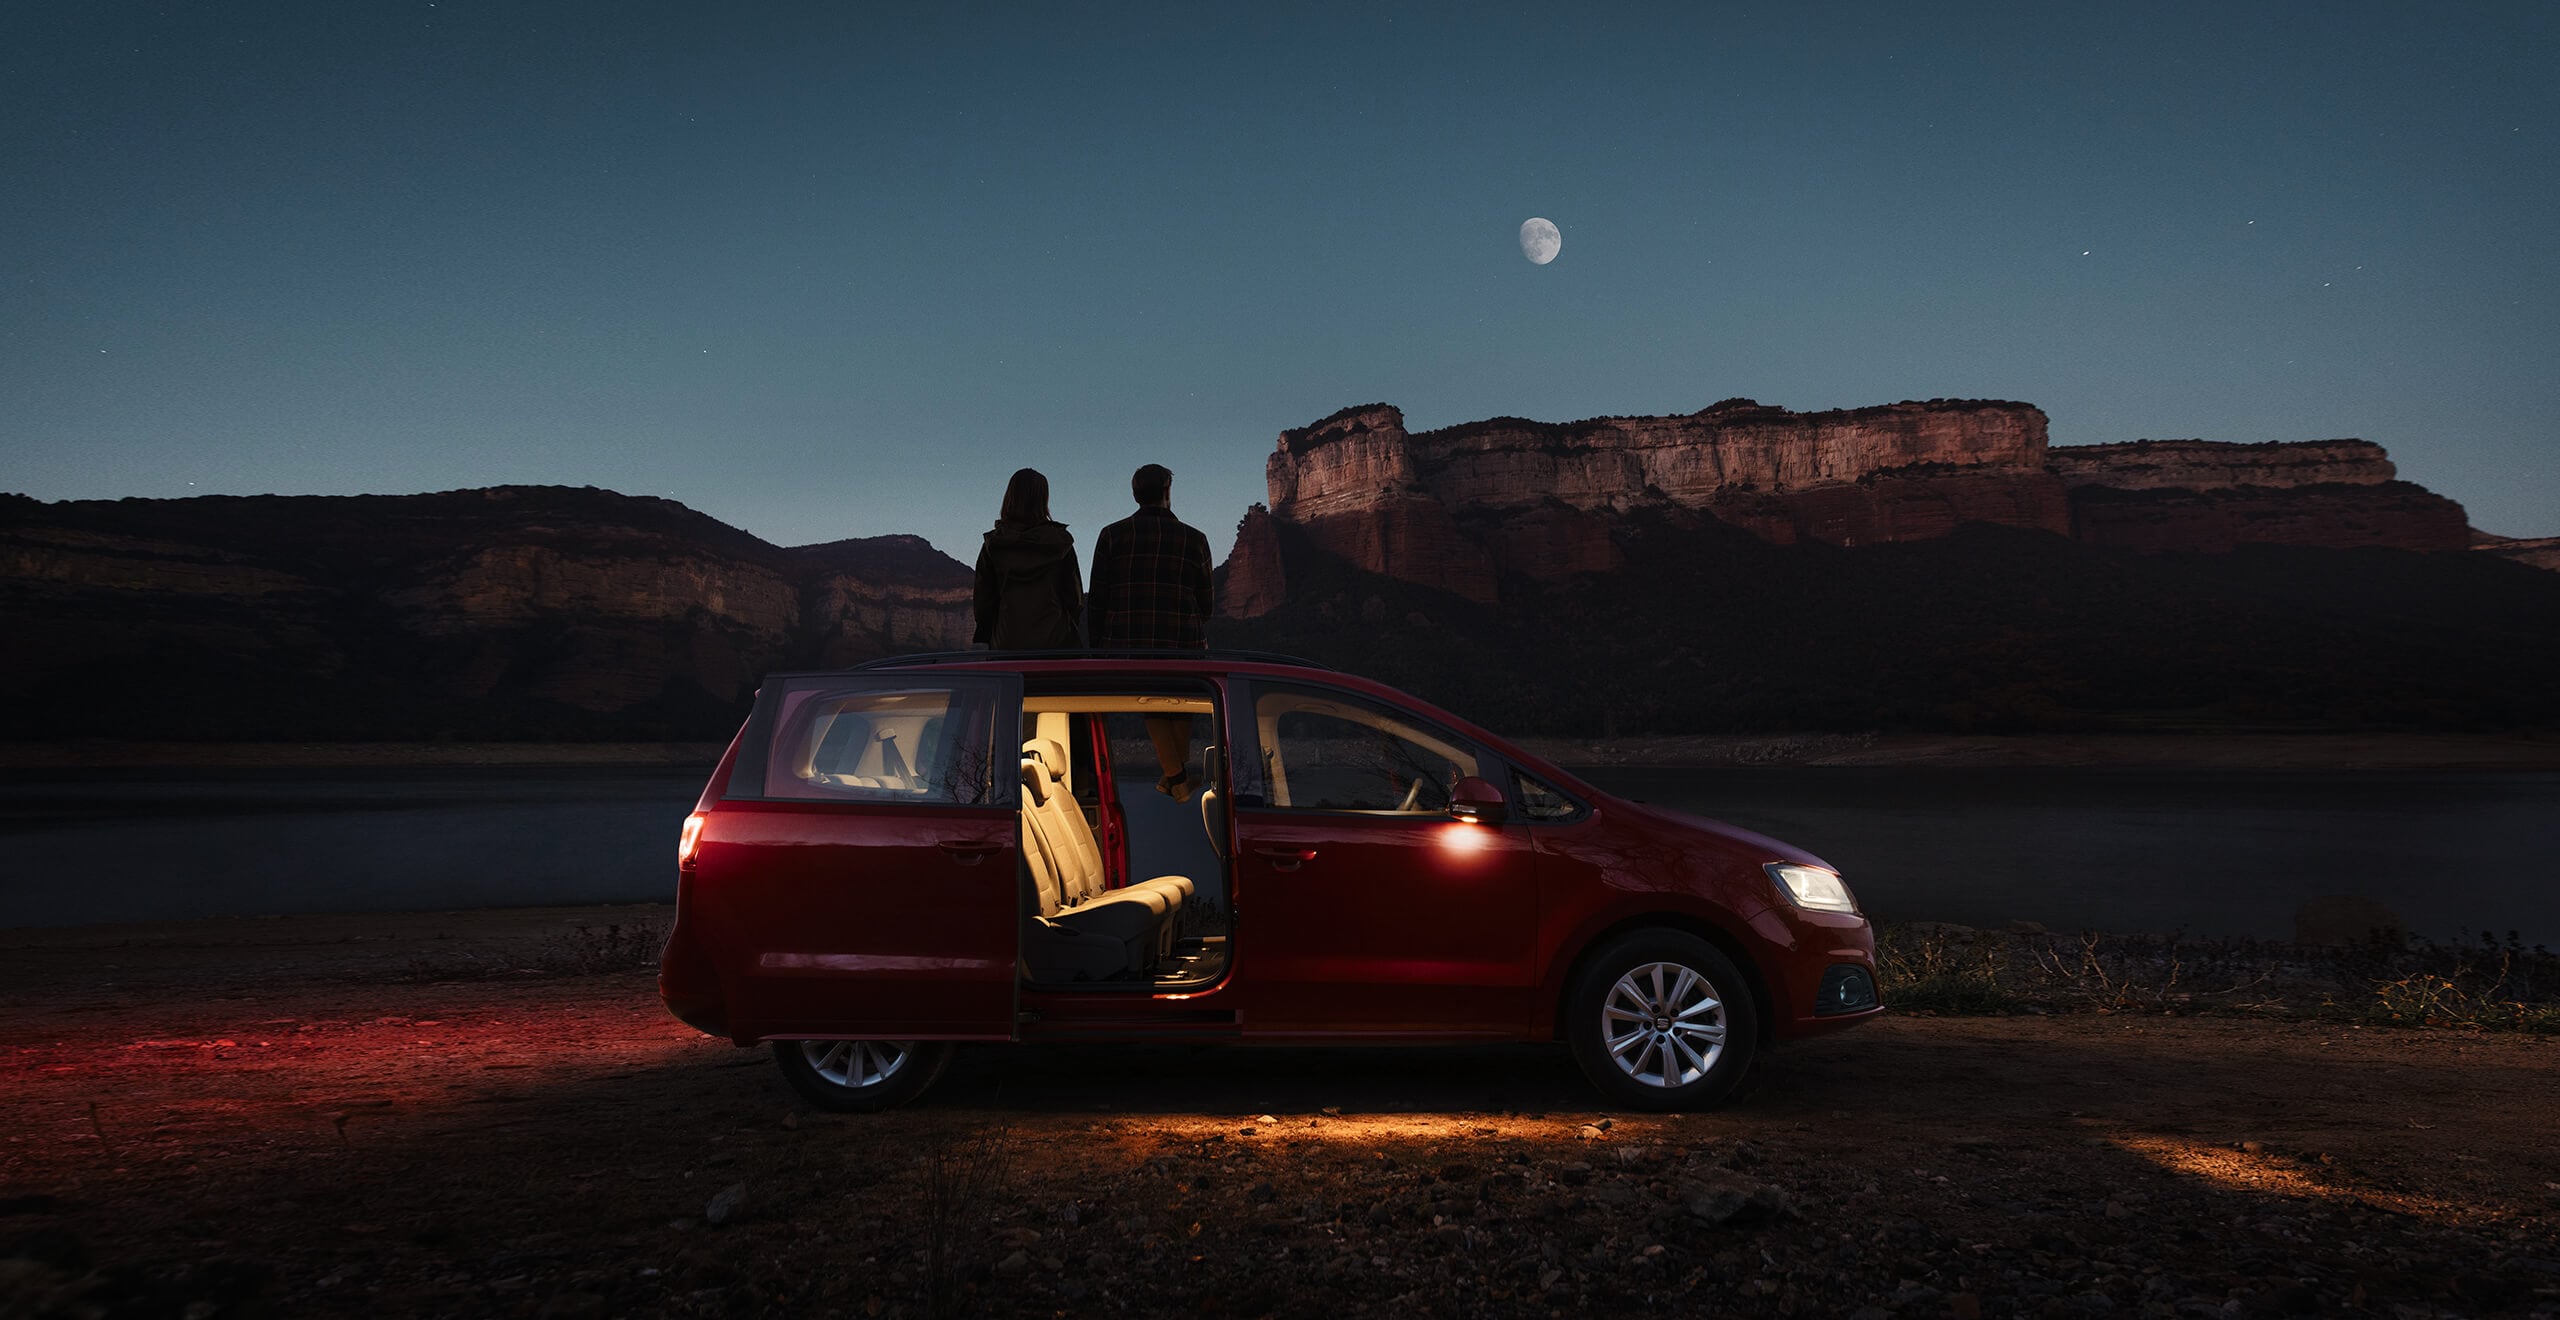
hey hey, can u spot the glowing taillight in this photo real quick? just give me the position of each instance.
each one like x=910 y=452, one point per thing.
x=685 y=842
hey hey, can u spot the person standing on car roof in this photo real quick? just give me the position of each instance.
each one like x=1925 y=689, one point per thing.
x=1151 y=592
x=1028 y=592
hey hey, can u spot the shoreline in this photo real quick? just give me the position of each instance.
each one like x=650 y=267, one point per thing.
x=2412 y=752
x=2064 y=751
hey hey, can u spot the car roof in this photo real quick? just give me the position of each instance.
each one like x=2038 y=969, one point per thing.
x=1263 y=664
x=1068 y=660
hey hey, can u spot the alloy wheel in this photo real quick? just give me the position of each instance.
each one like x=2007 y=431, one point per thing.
x=856 y=1064
x=1663 y=1024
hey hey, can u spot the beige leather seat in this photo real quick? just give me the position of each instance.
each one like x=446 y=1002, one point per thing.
x=881 y=764
x=1085 y=860
x=1069 y=939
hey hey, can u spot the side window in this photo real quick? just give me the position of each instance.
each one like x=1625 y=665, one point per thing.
x=916 y=745
x=1328 y=752
x=1539 y=802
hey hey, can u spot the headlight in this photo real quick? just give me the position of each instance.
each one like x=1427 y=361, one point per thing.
x=1812 y=887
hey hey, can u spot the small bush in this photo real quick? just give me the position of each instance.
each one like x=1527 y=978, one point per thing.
x=2490 y=984
x=1921 y=969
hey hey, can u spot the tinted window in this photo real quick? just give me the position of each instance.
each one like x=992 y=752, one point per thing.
x=1327 y=752
x=1539 y=802
x=918 y=744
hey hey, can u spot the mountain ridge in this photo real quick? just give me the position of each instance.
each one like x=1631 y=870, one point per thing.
x=1548 y=575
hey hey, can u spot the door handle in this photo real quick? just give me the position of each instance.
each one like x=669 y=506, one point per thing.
x=1285 y=859
x=970 y=852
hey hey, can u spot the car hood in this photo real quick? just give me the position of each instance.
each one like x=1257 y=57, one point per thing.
x=1768 y=849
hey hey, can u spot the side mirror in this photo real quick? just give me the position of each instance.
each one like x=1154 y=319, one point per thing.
x=1476 y=801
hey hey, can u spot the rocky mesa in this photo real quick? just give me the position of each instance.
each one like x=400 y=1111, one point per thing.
x=510 y=611
x=1460 y=508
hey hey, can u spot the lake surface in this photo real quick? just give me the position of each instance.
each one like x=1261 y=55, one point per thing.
x=2212 y=853
x=2209 y=852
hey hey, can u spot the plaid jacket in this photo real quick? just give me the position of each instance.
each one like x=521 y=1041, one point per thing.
x=1150 y=585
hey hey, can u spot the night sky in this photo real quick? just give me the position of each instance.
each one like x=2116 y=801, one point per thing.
x=826 y=270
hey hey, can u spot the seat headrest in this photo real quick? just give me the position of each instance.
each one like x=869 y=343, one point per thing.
x=1049 y=752
x=1035 y=785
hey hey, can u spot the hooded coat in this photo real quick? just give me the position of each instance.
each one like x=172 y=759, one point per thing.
x=1030 y=593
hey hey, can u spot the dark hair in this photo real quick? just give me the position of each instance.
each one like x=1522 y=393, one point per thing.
x=1151 y=483
x=1026 y=498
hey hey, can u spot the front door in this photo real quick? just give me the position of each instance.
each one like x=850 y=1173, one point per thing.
x=863 y=865
x=1362 y=907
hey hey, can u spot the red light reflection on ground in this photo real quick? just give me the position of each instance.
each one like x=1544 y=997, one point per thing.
x=70 y=1079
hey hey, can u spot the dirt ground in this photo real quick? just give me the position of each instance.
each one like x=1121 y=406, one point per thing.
x=298 y=1117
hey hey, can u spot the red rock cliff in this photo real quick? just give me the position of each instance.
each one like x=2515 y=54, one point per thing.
x=1456 y=507
x=2203 y=495
x=2217 y=465
x=2541 y=552
x=1459 y=507
x=1347 y=461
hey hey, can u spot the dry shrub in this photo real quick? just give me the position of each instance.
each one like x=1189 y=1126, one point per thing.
x=2488 y=985
x=965 y=1172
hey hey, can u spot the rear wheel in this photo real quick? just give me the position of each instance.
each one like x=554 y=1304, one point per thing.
x=1661 y=1019
x=861 y=1076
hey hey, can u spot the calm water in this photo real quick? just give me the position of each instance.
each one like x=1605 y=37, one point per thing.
x=2225 y=853
x=2213 y=853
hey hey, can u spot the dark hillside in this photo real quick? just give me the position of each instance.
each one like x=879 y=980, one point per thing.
x=508 y=613
x=1710 y=629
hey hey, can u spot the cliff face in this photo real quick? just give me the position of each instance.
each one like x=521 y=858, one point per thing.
x=2392 y=514
x=1461 y=508
x=2202 y=495
x=511 y=611
x=2220 y=465
x=1342 y=462
x=1695 y=574
x=881 y=595
x=2541 y=552
x=1456 y=508
x=1253 y=581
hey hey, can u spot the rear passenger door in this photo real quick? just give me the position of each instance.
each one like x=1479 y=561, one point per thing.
x=866 y=857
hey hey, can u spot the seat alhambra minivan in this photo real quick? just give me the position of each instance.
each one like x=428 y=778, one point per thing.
x=986 y=846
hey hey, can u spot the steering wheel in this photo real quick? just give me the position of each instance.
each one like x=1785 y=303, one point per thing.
x=1411 y=795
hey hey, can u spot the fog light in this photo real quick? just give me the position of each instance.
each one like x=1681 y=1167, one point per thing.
x=1846 y=988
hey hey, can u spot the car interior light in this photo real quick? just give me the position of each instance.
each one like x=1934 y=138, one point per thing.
x=1812 y=887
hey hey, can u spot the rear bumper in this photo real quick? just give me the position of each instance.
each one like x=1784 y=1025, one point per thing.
x=688 y=984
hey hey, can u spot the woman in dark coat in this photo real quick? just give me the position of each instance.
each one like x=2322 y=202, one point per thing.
x=1030 y=591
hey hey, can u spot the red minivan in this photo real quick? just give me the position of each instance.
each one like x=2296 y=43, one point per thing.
x=1219 y=846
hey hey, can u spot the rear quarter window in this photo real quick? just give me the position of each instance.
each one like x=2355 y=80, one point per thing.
x=916 y=745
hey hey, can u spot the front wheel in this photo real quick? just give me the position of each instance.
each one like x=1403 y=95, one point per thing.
x=1660 y=1019
x=861 y=1076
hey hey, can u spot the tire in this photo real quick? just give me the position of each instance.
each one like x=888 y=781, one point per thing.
x=1713 y=1035
x=893 y=1072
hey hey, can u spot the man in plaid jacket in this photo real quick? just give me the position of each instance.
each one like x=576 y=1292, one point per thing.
x=1150 y=576
x=1151 y=592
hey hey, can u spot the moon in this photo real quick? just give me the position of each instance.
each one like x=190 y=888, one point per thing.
x=1539 y=241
